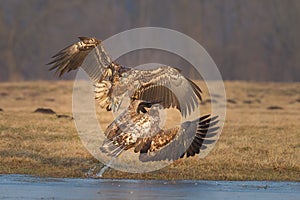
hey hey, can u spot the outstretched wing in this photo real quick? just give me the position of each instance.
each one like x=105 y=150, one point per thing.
x=72 y=57
x=167 y=86
x=187 y=140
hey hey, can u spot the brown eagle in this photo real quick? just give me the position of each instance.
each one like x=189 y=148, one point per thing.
x=154 y=89
x=113 y=81
x=139 y=129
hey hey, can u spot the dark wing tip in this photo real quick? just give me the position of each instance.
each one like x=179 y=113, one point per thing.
x=203 y=118
x=206 y=129
x=197 y=90
x=72 y=56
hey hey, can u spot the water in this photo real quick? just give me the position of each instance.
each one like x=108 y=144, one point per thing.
x=92 y=173
x=30 y=187
x=100 y=174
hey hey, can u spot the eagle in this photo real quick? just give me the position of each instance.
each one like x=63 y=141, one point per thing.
x=149 y=90
x=114 y=81
x=139 y=129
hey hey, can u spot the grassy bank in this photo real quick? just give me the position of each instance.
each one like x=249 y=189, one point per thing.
x=260 y=139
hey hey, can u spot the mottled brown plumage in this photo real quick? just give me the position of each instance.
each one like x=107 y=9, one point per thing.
x=164 y=84
x=129 y=126
x=185 y=140
x=141 y=132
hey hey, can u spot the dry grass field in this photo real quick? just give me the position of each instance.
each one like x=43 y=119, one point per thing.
x=260 y=139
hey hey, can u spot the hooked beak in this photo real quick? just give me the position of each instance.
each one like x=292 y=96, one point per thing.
x=145 y=104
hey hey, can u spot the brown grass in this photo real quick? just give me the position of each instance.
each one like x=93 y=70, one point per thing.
x=257 y=143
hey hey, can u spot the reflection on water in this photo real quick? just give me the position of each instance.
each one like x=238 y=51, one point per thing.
x=29 y=187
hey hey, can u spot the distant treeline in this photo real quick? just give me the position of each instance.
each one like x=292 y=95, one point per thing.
x=249 y=40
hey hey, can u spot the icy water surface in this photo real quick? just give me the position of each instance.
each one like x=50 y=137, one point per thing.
x=30 y=187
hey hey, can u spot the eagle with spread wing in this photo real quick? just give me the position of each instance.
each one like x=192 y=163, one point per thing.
x=113 y=81
x=139 y=129
x=136 y=127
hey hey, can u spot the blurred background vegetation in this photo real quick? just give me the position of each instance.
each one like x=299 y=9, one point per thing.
x=249 y=40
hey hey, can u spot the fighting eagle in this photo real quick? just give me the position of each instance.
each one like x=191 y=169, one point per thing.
x=139 y=129
x=164 y=86
x=113 y=81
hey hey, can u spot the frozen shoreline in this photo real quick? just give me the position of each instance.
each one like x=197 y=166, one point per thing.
x=30 y=187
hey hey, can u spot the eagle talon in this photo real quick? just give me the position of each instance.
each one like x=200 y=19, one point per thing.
x=108 y=108
x=115 y=103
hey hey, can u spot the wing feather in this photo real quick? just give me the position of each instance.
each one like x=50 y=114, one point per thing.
x=72 y=57
x=189 y=140
x=88 y=53
x=171 y=88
